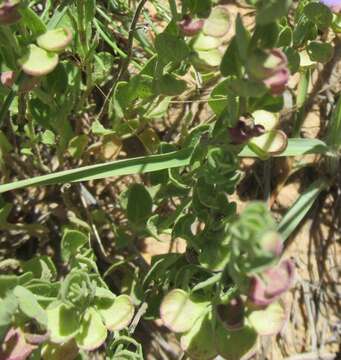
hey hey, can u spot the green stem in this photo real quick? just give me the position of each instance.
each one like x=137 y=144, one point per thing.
x=10 y=97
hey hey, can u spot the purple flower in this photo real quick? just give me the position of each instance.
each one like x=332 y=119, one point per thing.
x=244 y=131
x=272 y=284
x=190 y=27
x=334 y=5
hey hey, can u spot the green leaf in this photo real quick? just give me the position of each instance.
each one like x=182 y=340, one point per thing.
x=42 y=267
x=208 y=60
x=272 y=10
x=269 y=321
x=8 y=307
x=55 y=40
x=285 y=37
x=230 y=63
x=197 y=342
x=48 y=138
x=218 y=23
x=319 y=14
x=179 y=49
x=179 y=312
x=38 y=62
x=92 y=332
x=320 y=51
x=62 y=323
x=247 y=88
x=140 y=204
x=301 y=207
x=218 y=99
x=242 y=38
x=72 y=241
x=32 y=21
x=116 y=313
x=77 y=145
x=169 y=85
x=29 y=305
x=159 y=110
x=233 y=345
x=204 y=43
x=103 y=64
x=294 y=59
x=141 y=165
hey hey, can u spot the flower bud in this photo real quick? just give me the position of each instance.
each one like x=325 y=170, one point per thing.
x=7 y=78
x=9 y=12
x=232 y=314
x=272 y=284
x=277 y=82
x=271 y=67
x=15 y=346
x=265 y=63
x=271 y=242
x=334 y=5
x=190 y=27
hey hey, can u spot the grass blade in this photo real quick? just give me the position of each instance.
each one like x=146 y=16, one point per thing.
x=99 y=171
x=147 y=164
x=300 y=208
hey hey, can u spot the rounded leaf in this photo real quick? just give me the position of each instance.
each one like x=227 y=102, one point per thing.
x=179 y=312
x=62 y=323
x=205 y=43
x=235 y=345
x=116 y=313
x=207 y=60
x=197 y=342
x=273 y=142
x=92 y=332
x=218 y=23
x=55 y=40
x=37 y=61
x=269 y=321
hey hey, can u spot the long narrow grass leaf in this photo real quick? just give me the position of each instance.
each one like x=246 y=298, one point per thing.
x=99 y=171
x=301 y=207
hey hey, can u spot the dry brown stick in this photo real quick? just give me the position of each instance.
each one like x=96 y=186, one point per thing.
x=312 y=356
